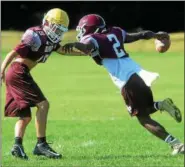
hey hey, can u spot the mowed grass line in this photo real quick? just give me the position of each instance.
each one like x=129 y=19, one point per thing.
x=88 y=121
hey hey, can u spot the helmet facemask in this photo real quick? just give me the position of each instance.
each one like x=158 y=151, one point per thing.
x=84 y=31
x=54 y=31
x=81 y=33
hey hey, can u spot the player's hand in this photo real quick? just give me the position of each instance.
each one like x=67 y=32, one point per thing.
x=161 y=35
x=2 y=77
x=148 y=34
x=68 y=48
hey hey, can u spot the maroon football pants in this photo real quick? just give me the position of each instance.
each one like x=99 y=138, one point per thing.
x=22 y=92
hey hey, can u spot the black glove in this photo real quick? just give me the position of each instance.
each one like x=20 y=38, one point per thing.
x=148 y=34
x=68 y=48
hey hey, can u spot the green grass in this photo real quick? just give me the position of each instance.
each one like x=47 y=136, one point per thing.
x=88 y=122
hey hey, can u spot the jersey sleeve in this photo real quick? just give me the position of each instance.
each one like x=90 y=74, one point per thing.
x=30 y=41
x=89 y=39
x=123 y=32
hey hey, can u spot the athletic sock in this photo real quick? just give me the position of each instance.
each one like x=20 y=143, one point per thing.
x=171 y=140
x=41 y=139
x=18 y=140
x=156 y=105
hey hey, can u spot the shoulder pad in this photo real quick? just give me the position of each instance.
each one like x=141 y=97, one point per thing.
x=90 y=38
x=85 y=38
x=31 y=39
x=118 y=28
x=122 y=31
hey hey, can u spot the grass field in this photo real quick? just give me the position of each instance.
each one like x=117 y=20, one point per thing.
x=88 y=122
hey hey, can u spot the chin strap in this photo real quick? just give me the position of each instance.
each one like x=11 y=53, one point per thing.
x=96 y=30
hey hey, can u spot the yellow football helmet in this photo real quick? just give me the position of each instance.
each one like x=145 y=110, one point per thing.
x=55 y=23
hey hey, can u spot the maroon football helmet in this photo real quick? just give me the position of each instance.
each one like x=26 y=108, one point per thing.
x=90 y=24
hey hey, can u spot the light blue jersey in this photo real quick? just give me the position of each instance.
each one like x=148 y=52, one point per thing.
x=122 y=69
x=109 y=52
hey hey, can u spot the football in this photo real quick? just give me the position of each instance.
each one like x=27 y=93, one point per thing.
x=162 y=45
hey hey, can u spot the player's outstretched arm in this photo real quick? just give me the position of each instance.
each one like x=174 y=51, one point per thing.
x=83 y=48
x=67 y=49
x=8 y=59
x=132 y=37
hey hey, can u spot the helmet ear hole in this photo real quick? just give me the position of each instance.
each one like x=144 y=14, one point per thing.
x=46 y=23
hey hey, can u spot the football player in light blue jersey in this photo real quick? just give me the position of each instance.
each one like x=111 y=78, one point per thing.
x=105 y=45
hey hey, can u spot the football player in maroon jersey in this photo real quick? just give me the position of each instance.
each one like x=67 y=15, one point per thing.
x=105 y=45
x=22 y=92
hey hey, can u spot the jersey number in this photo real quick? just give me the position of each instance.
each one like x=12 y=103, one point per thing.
x=116 y=45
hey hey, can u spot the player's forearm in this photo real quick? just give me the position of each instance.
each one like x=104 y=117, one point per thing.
x=8 y=59
x=82 y=49
x=132 y=37
x=60 y=51
x=73 y=52
x=85 y=48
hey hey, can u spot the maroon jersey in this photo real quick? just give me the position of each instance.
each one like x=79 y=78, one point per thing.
x=35 y=45
x=108 y=44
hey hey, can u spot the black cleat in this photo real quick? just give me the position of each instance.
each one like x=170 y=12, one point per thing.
x=18 y=151
x=45 y=150
x=172 y=109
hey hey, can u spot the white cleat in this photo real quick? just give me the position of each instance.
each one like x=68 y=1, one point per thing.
x=171 y=108
x=178 y=149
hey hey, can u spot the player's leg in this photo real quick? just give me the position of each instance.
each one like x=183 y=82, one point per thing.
x=42 y=147
x=25 y=93
x=20 y=127
x=168 y=106
x=28 y=94
x=41 y=118
x=165 y=105
x=139 y=98
x=17 y=105
x=12 y=110
x=160 y=132
x=153 y=127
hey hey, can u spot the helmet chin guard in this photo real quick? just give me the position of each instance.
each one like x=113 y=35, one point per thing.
x=53 y=31
x=81 y=33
